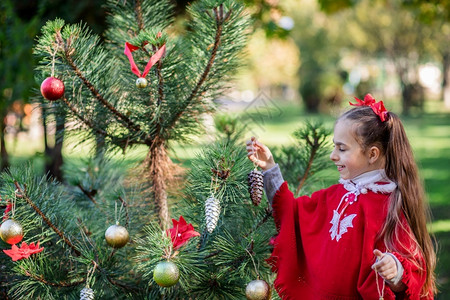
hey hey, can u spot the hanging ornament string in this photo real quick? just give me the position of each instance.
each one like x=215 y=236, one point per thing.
x=255 y=163
x=90 y=274
x=214 y=181
x=13 y=207
x=53 y=61
x=253 y=261
x=129 y=49
x=380 y=292
x=117 y=216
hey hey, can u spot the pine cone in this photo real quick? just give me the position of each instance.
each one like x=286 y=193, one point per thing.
x=87 y=294
x=255 y=186
x=212 y=213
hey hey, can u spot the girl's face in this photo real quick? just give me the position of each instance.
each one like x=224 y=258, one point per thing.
x=347 y=154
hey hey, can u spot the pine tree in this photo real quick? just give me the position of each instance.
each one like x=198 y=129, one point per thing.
x=101 y=97
x=69 y=221
x=73 y=258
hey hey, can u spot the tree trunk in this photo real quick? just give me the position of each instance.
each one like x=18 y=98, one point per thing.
x=54 y=158
x=406 y=98
x=446 y=79
x=4 y=153
x=158 y=165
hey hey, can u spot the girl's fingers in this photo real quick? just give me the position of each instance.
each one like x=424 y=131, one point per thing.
x=378 y=253
x=385 y=265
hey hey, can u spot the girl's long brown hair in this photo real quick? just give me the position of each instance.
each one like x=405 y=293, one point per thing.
x=409 y=197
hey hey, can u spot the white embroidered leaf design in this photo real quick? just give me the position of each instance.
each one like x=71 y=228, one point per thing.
x=335 y=222
x=340 y=225
x=345 y=223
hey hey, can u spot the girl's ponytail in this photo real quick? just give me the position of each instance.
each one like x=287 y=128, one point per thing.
x=409 y=200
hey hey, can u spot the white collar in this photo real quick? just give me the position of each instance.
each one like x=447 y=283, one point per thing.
x=369 y=181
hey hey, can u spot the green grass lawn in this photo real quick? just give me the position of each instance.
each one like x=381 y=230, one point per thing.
x=429 y=134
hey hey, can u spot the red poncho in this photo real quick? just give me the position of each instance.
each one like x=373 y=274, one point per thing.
x=314 y=259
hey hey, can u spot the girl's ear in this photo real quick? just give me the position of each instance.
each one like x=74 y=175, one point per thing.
x=374 y=154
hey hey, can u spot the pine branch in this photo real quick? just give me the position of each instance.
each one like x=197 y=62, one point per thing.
x=83 y=119
x=91 y=197
x=220 y=19
x=314 y=148
x=56 y=284
x=121 y=117
x=45 y=218
x=138 y=12
x=159 y=75
x=87 y=193
x=68 y=51
x=117 y=282
x=315 y=139
x=160 y=83
x=266 y=217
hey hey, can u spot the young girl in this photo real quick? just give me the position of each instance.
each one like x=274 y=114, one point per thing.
x=364 y=238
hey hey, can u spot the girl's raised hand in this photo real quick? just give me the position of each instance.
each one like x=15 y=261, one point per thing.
x=385 y=265
x=387 y=268
x=259 y=154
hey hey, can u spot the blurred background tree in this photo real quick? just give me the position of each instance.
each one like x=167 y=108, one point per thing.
x=318 y=40
x=407 y=33
x=16 y=65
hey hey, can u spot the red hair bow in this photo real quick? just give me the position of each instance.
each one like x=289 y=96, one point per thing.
x=377 y=107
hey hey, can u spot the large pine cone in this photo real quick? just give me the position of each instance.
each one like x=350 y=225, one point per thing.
x=255 y=186
x=87 y=294
x=212 y=213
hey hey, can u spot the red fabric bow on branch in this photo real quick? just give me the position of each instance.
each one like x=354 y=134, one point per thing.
x=181 y=232
x=377 y=107
x=24 y=251
x=129 y=49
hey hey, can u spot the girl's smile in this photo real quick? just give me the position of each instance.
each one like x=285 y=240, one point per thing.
x=349 y=157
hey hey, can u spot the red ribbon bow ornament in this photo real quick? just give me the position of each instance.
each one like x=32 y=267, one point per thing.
x=129 y=49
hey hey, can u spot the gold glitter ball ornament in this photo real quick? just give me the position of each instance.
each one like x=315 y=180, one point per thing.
x=257 y=290
x=141 y=82
x=117 y=236
x=166 y=273
x=11 y=232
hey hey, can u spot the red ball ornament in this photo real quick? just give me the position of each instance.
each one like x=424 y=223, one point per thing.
x=52 y=88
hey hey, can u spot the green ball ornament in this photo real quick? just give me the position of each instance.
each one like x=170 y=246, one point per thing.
x=11 y=232
x=257 y=290
x=117 y=236
x=141 y=82
x=166 y=273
